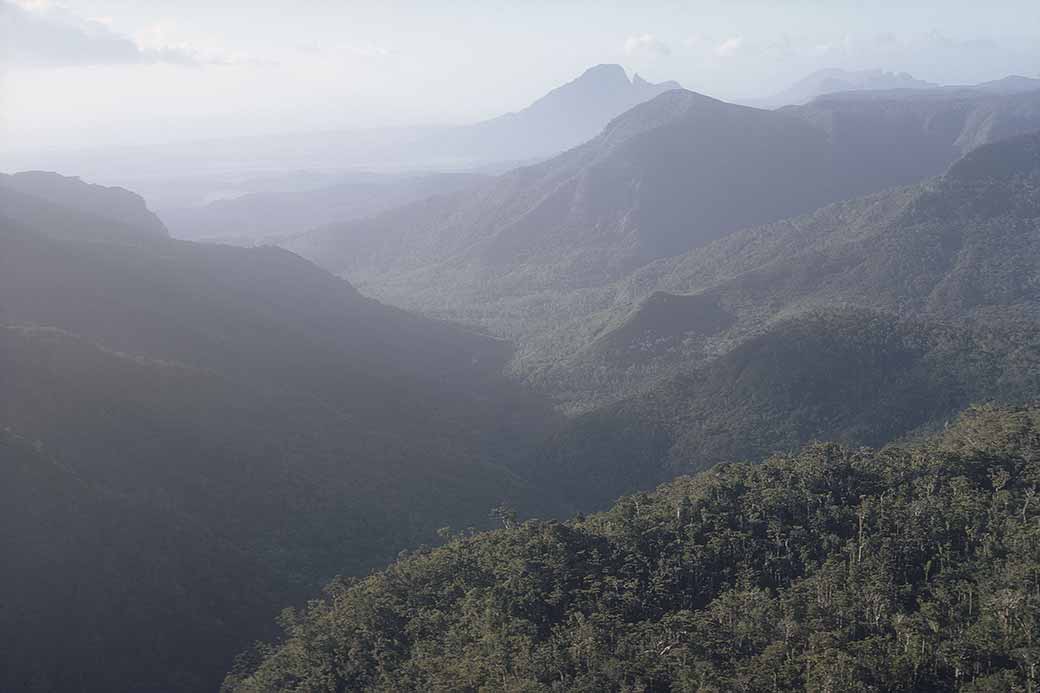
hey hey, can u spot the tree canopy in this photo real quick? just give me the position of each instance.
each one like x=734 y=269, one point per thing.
x=908 y=568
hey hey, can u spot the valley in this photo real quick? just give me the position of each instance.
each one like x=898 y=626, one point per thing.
x=628 y=389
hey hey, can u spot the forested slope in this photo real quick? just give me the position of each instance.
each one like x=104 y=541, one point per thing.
x=910 y=568
x=542 y=254
x=225 y=403
x=961 y=247
x=102 y=592
x=855 y=376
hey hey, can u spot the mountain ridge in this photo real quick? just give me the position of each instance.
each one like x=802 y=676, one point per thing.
x=244 y=391
x=66 y=201
x=524 y=254
x=954 y=248
x=834 y=80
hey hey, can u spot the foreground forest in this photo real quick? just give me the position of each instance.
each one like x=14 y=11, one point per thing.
x=909 y=568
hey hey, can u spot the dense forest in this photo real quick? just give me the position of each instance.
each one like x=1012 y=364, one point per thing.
x=957 y=248
x=672 y=197
x=908 y=568
x=102 y=592
x=854 y=376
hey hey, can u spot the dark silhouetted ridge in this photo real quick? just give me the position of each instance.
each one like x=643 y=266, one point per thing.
x=125 y=209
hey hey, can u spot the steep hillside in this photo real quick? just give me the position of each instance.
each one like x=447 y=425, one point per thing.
x=112 y=204
x=905 y=569
x=886 y=138
x=960 y=247
x=668 y=175
x=535 y=255
x=67 y=206
x=104 y=593
x=209 y=306
x=294 y=479
x=855 y=376
x=249 y=393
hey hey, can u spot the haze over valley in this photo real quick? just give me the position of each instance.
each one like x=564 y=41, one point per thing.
x=424 y=346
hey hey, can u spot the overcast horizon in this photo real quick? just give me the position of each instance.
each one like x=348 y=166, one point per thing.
x=110 y=72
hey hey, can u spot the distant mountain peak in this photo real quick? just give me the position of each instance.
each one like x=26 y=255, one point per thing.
x=835 y=80
x=567 y=116
x=604 y=71
x=600 y=80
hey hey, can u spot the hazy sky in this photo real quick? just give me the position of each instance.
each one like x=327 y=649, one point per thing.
x=103 y=71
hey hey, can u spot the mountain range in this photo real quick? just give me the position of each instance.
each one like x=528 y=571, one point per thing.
x=836 y=80
x=195 y=435
x=178 y=177
x=955 y=247
x=600 y=210
x=539 y=255
x=565 y=117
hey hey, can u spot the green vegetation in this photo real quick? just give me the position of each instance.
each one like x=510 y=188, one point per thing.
x=569 y=258
x=100 y=592
x=854 y=376
x=193 y=436
x=958 y=249
x=911 y=568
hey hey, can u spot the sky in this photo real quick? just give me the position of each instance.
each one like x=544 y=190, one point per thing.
x=79 y=73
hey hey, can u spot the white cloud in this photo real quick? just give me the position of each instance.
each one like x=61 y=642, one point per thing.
x=698 y=41
x=646 y=44
x=340 y=52
x=40 y=33
x=819 y=50
x=368 y=50
x=729 y=47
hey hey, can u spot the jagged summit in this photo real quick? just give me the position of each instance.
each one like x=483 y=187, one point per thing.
x=570 y=114
x=638 y=81
x=600 y=89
